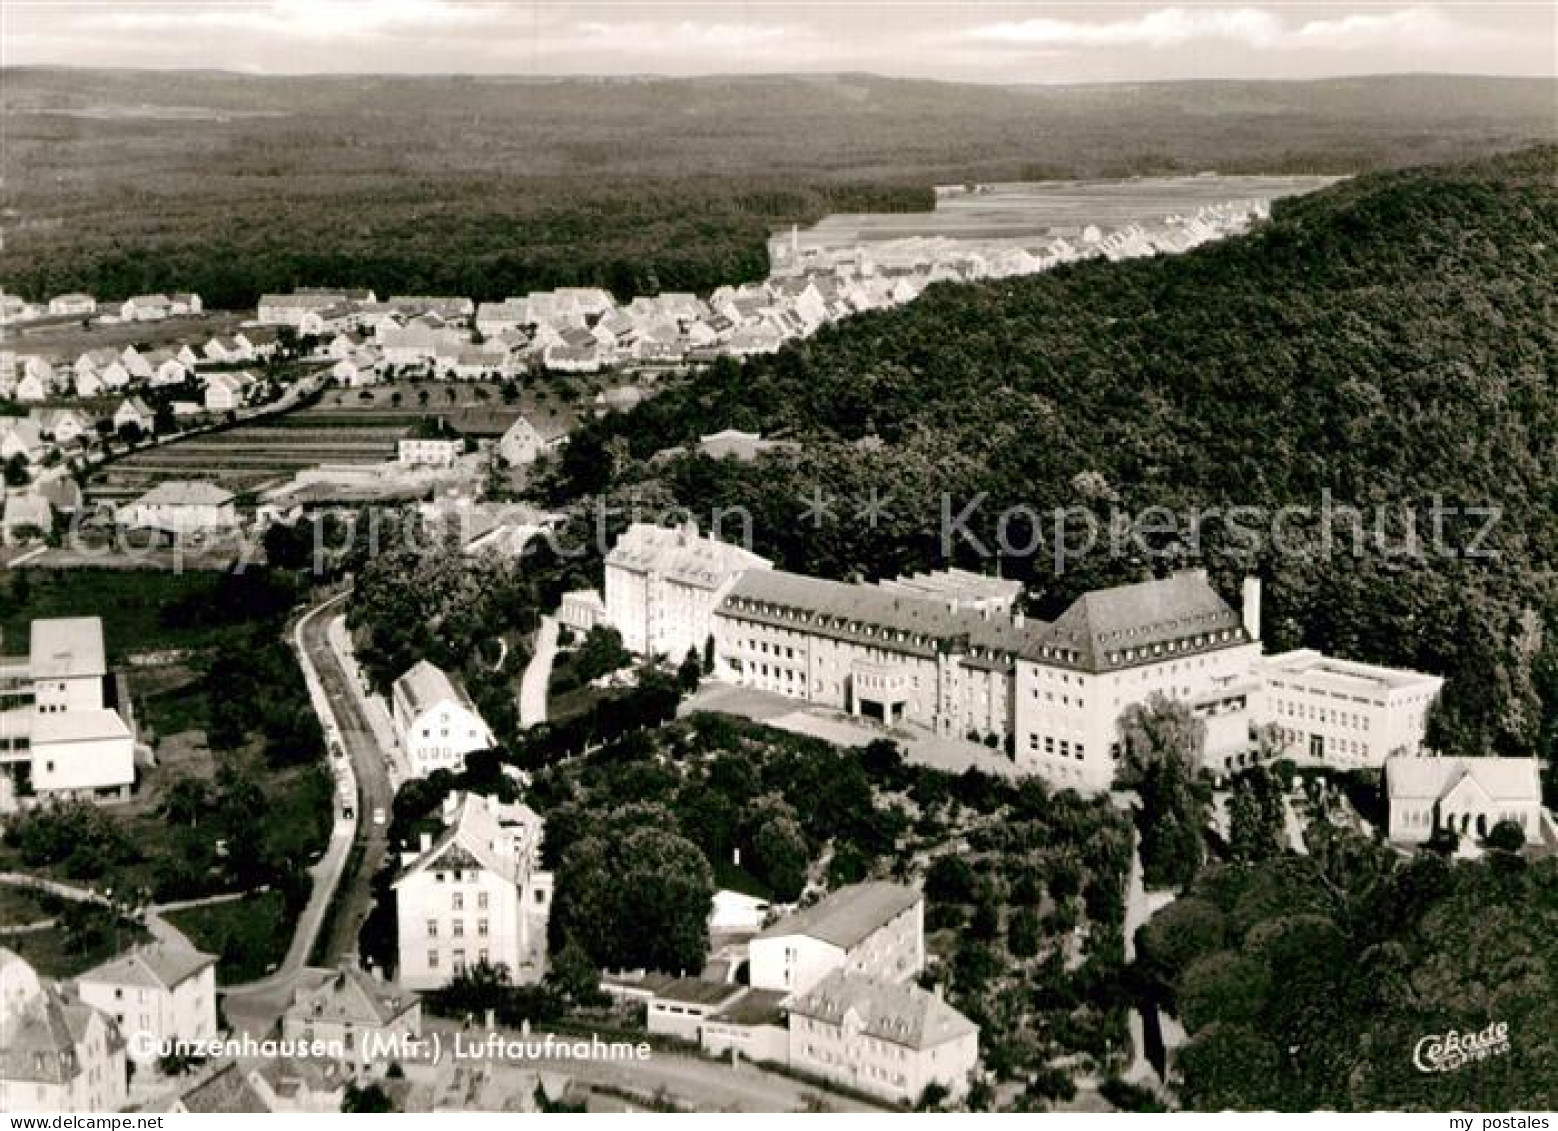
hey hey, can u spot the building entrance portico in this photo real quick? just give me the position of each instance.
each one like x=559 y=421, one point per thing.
x=878 y=692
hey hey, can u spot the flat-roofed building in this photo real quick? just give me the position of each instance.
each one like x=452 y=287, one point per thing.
x=1346 y=714
x=875 y=928
x=62 y=733
x=891 y=1039
x=1466 y=796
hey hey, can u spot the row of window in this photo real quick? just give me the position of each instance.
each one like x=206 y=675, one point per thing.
x=1129 y=655
x=1065 y=748
x=457 y=928
x=456 y=959
x=1308 y=711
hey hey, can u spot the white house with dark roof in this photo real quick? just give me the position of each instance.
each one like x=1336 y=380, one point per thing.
x=369 y=1017
x=436 y=723
x=875 y=928
x=137 y=412
x=158 y=988
x=181 y=507
x=891 y=1039
x=56 y=1055
x=474 y=893
x=1466 y=796
x=663 y=585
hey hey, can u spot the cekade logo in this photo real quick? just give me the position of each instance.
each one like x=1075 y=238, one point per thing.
x=1452 y=1050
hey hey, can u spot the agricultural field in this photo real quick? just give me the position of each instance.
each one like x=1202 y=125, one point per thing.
x=345 y=426
x=1040 y=211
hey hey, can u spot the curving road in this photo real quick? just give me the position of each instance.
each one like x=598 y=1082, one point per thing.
x=342 y=877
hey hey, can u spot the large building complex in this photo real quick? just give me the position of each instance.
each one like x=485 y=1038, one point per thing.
x=476 y=893
x=62 y=733
x=952 y=654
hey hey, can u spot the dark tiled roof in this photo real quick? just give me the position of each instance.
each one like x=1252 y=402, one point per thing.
x=848 y=916
x=900 y=1013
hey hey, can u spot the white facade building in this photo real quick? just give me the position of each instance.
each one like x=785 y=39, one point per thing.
x=1346 y=714
x=890 y=1039
x=1466 y=796
x=435 y=721
x=56 y=1055
x=166 y=991
x=874 y=928
x=368 y=1017
x=476 y=893
x=61 y=734
x=663 y=585
x=182 y=507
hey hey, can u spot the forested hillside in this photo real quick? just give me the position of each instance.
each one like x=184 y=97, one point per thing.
x=122 y=182
x=1383 y=343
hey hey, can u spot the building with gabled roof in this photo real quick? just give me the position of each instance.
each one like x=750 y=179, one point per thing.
x=56 y=1054
x=369 y=1018
x=663 y=585
x=228 y=1090
x=180 y=507
x=436 y=723
x=890 y=1039
x=1466 y=796
x=475 y=893
x=157 y=988
x=875 y=928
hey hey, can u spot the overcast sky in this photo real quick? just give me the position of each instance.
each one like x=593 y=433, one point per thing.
x=973 y=40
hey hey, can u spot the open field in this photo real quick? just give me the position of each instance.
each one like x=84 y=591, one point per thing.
x=1015 y=210
x=69 y=339
x=496 y=186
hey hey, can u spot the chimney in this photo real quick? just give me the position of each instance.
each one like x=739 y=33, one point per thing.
x=1252 y=607
x=426 y=844
x=1018 y=620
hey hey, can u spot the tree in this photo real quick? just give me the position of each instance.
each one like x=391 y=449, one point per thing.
x=371 y=1099
x=1256 y=816
x=17 y=473
x=1506 y=836
x=1022 y=933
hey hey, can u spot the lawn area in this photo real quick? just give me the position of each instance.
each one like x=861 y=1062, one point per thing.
x=24 y=905
x=85 y=936
x=247 y=934
x=142 y=610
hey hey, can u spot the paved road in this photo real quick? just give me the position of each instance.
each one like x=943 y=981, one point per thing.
x=255 y=1006
x=538 y=675
x=160 y=928
x=694 y=1082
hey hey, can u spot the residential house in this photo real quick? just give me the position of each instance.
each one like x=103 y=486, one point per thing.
x=663 y=585
x=26 y=518
x=521 y=445
x=229 y=1089
x=475 y=893
x=436 y=723
x=146 y=308
x=71 y=305
x=373 y=1021
x=56 y=1055
x=22 y=437
x=161 y=989
x=182 y=507
x=875 y=928
x=889 y=1039
x=430 y=443
x=226 y=392
x=1464 y=796
x=62 y=425
x=134 y=411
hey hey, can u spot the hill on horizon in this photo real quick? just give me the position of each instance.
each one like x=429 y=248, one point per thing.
x=120 y=182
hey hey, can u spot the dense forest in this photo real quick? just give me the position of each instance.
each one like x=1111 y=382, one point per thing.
x=120 y=182
x=1389 y=342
